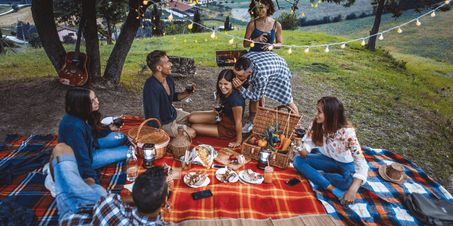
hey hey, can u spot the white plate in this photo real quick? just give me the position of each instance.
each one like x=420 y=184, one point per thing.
x=222 y=171
x=206 y=182
x=107 y=120
x=212 y=155
x=241 y=176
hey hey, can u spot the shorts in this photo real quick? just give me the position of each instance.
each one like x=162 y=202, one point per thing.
x=226 y=128
x=182 y=119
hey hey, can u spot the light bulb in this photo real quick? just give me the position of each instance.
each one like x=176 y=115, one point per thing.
x=154 y=28
x=292 y=11
x=433 y=14
x=319 y=1
x=137 y=18
x=164 y=33
x=190 y=26
x=327 y=49
x=170 y=17
x=185 y=40
x=235 y=28
x=418 y=23
x=363 y=42
x=162 y=13
x=381 y=37
x=143 y=15
x=143 y=26
x=252 y=44
x=289 y=50
x=399 y=30
x=145 y=2
x=215 y=37
x=312 y=5
x=447 y=2
x=303 y=14
x=196 y=41
x=307 y=49
x=213 y=34
x=343 y=45
x=154 y=18
x=316 y=6
x=271 y=47
x=231 y=41
x=136 y=10
x=205 y=39
x=174 y=38
x=243 y=20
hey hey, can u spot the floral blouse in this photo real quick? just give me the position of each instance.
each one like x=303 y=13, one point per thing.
x=342 y=146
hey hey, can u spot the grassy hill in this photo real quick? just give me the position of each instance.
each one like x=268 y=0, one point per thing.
x=405 y=107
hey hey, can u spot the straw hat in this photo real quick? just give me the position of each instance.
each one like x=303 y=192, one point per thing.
x=393 y=173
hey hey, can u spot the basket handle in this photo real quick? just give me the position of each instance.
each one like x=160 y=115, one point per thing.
x=143 y=123
x=187 y=134
x=290 y=111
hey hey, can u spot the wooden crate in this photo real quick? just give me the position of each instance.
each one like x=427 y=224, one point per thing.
x=265 y=116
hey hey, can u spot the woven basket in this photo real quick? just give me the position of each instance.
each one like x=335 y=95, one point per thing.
x=265 y=116
x=179 y=145
x=144 y=134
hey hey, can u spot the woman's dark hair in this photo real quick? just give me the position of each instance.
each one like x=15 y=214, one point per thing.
x=253 y=6
x=227 y=75
x=150 y=189
x=334 y=119
x=78 y=104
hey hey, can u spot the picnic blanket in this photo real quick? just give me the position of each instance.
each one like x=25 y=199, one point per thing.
x=276 y=200
x=378 y=201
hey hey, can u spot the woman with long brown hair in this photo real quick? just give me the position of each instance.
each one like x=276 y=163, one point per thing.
x=340 y=167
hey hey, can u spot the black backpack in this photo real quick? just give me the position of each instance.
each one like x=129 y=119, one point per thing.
x=429 y=211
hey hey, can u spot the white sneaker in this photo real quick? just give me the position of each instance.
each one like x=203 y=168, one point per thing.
x=247 y=128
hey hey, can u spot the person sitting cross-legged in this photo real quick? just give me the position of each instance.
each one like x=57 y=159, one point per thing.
x=83 y=202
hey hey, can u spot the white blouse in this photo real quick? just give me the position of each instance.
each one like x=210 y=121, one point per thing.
x=342 y=146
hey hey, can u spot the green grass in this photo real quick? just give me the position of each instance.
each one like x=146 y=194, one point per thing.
x=4 y=8
x=405 y=109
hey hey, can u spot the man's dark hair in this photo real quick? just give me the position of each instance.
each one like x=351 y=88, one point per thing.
x=243 y=63
x=153 y=59
x=150 y=189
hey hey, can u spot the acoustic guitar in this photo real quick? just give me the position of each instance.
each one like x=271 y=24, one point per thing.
x=75 y=71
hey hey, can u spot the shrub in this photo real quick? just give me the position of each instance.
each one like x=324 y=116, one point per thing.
x=69 y=39
x=15 y=7
x=351 y=16
x=337 y=18
x=363 y=15
x=288 y=21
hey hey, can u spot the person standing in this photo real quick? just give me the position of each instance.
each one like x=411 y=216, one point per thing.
x=263 y=30
x=269 y=76
x=159 y=93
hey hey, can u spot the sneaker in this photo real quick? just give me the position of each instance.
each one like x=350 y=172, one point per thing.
x=247 y=127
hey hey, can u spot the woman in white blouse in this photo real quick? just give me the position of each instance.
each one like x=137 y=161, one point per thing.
x=340 y=167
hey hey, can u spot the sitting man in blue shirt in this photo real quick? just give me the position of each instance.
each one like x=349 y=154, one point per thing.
x=83 y=202
x=159 y=93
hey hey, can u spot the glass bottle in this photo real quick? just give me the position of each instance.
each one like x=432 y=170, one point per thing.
x=132 y=165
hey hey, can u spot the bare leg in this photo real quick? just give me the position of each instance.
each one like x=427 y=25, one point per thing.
x=209 y=130
x=205 y=117
x=192 y=133
x=59 y=149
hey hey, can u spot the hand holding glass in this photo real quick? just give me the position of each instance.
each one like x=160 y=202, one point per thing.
x=218 y=109
x=189 y=90
x=118 y=121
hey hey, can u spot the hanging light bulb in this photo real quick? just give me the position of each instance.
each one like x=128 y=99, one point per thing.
x=174 y=38
x=327 y=49
x=190 y=26
x=154 y=18
x=185 y=40
x=154 y=28
x=433 y=14
x=231 y=41
x=143 y=26
x=312 y=5
x=164 y=33
x=303 y=14
x=162 y=13
x=447 y=2
x=136 y=10
x=292 y=11
x=252 y=44
x=145 y=2
x=205 y=39
x=343 y=45
x=170 y=17
x=316 y=6
x=418 y=23
x=363 y=42
x=137 y=18
x=381 y=37
x=399 y=30
x=196 y=41
x=143 y=15
x=319 y=1
x=271 y=47
x=243 y=20
x=307 y=49
x=213 y=34
x=289 y=50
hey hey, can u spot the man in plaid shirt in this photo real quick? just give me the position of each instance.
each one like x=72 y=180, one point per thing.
x=269 y=76
x=83 y=202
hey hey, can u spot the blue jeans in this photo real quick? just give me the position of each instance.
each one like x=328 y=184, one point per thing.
x=336 y=173
x=72 y=193
x=112 y=150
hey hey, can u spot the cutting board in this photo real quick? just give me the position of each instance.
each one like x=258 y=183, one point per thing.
x=223 y=157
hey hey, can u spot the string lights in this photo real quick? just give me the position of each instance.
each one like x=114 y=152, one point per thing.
x=307 y=47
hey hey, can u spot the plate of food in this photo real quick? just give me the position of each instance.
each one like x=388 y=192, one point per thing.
x=196 y=179
x=251 y=177
x=107 y=120
x=226 y=175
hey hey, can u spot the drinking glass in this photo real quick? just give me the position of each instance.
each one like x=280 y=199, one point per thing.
x=218 y=109
x=168 y=207
x=189 y=89
x=118 y=121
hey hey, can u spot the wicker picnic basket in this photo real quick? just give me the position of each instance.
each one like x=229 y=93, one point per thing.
x=180 y=144
x=265 y=116
x=144 y=134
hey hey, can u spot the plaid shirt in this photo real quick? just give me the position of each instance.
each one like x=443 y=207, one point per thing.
x=270 y=77
x=110 y=210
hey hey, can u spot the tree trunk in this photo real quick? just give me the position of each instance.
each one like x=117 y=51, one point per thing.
x=42 y=12
x=91 y=37
x=109 y=39
x=377 y=21
x=123 y=44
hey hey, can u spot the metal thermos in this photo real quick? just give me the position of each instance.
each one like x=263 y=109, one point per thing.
x=149 y=151
x=265 y=153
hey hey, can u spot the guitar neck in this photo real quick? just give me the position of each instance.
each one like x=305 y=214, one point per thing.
x=79 y=37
